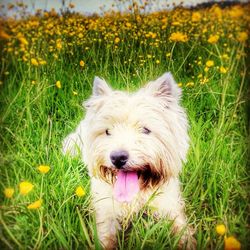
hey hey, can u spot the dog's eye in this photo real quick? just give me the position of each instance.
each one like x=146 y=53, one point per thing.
x=107 y=132
x=146 y=131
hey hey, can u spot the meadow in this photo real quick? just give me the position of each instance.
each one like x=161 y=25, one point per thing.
x=48 y=62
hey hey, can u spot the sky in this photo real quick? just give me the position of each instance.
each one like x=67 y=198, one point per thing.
x=91 y=6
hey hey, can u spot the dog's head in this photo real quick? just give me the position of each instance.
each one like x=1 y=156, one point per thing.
x=135 y=139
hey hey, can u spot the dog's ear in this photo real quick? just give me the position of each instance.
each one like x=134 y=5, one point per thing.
x=164 y=87
x=100 y=90
x=100 y=87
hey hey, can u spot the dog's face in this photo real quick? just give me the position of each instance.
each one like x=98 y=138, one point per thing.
x=135 y=140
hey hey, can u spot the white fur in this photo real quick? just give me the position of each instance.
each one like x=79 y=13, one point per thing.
x=156 y=107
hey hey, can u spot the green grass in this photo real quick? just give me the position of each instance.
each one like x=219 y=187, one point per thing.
x=36 y=118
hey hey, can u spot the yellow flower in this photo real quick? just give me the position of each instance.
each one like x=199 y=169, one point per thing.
x=196 y=16
x=232 y=244
x=213 y=39
x=206 y=69
x=223 y=70
x=35 y=205
x=225 y=56
x=59 y=44
x=80 y=192
x=117 y=40
x=42 y=62
x=128 y=24
x=23 y=40
x=178 y=37
x=220 y=229
x=168 y=54
x=203 y=81
x=34 y=62
x=242 y=36
x=190 y=84
x=43 y=169
x=82 y=63
x=236 y=11
x=210 y=63
x=25 y=187
x=8 y=192
x=153 y=35
x=75 y=93
x=58 y=84
x=157 y=61
x=180 y=84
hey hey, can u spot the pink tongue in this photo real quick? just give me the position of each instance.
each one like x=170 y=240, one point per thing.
x=126 y=186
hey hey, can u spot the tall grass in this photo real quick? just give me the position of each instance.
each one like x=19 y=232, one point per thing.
x=36 y=116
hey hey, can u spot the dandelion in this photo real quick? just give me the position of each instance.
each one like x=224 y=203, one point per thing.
x=34 y=62
x=43 y=169
x=178 y=37
x=75 y=93
x=82 y=63
x=8 y=192
x=210 y=63
x=157 y=61
x=220 y=229
x=25 y=187
x=180 y=84
x=80 y=192
x=168 y=54
x=223 y=70
x=58 y=84
x=231 y=243
x=33 y=82
x=117 y=40
x=242 y=36
x=35 y=205
x=213 y=39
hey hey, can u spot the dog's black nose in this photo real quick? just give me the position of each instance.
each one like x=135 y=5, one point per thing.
x=119 y=158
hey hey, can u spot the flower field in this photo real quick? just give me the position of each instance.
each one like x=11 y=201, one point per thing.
x=48 y=62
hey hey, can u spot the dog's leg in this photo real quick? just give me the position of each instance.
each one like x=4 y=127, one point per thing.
x=106 y=221
x=169 y=204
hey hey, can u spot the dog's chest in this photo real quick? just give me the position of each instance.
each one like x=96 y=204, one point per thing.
x=126 y=210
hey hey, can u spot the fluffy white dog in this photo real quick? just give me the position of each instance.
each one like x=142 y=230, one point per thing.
x=133 y=145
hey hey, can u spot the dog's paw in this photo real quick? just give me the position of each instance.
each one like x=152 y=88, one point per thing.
x=70 y=145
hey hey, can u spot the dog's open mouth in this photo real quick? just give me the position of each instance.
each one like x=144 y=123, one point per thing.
x=128 y=183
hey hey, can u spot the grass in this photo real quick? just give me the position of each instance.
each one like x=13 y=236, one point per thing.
x=36 y=117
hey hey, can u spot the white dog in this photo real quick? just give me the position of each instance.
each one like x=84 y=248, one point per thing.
x=133 y=145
